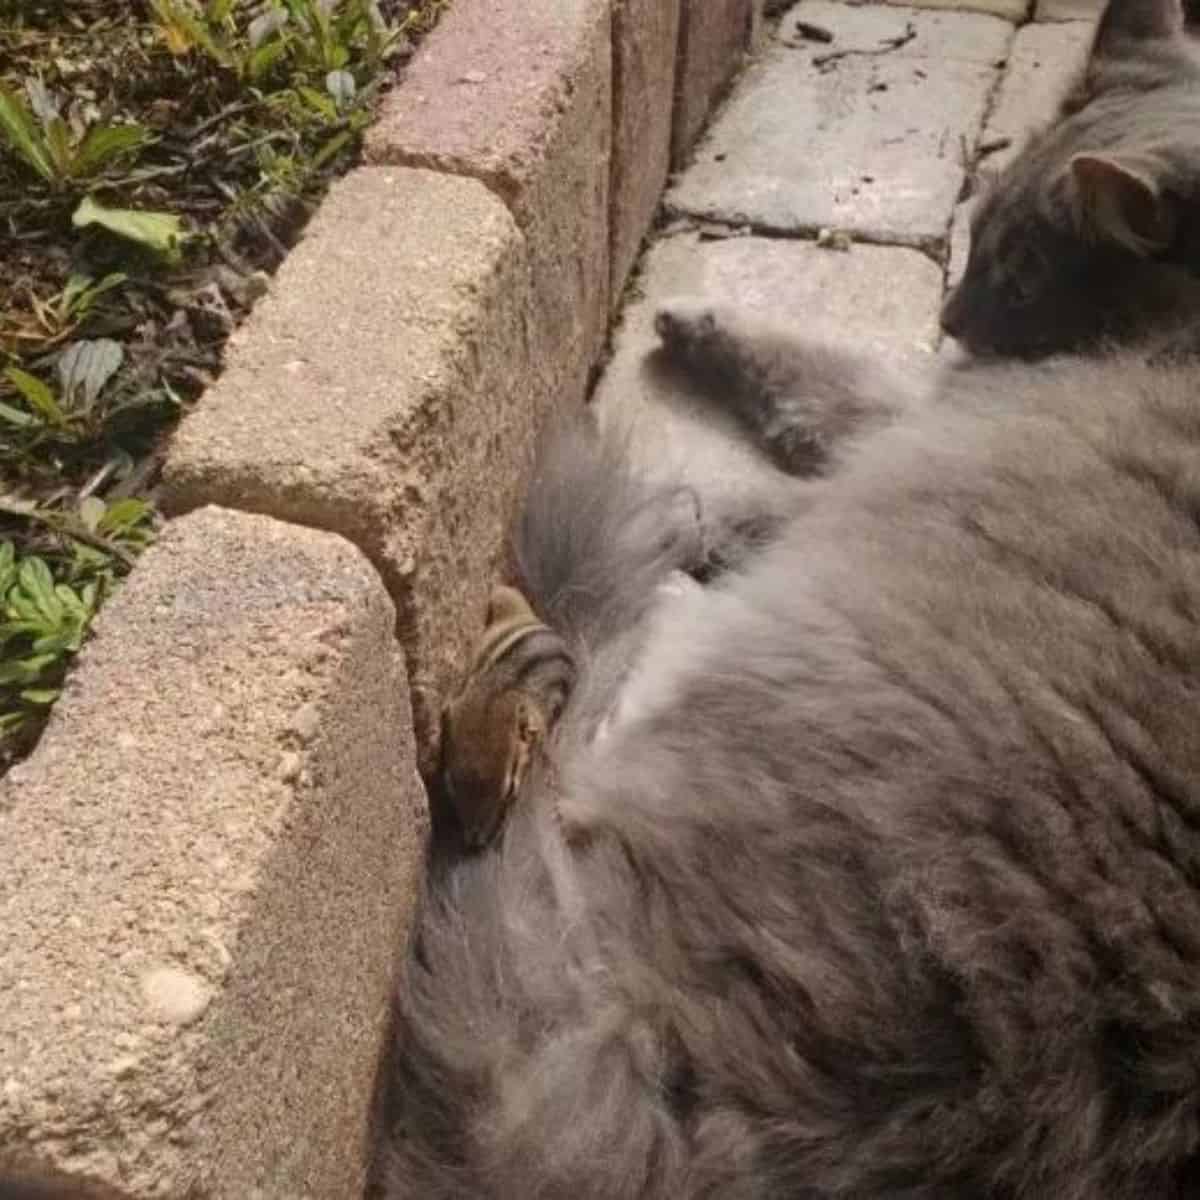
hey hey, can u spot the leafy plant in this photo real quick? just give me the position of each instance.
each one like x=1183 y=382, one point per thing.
x=99 y=532
x=125 y=523
x=42 y=138
x=68 y=414
x=314 y=39
x=339 y=110
x=47 y=602
x=188 y=25
x=159 y=232
x=56 y=317
x=42 y=623
x=326 y=36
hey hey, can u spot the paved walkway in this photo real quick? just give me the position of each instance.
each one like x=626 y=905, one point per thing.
x=865 y=120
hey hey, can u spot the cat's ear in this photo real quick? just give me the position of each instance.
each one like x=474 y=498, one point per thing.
x=1137 y=19
x=1117 y=203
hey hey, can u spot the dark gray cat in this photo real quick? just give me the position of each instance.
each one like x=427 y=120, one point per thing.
x=1094 y=229
x=878 y=878
x=1090 y=235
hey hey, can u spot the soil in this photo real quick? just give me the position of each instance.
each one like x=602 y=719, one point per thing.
x=240 y=163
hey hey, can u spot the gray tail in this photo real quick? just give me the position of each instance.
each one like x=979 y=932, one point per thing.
x=596 y=537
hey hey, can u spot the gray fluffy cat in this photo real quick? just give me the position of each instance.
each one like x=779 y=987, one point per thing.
x=1094 y=230
x=884 y=881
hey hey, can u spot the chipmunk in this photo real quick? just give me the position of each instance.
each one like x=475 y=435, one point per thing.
x=500 y=718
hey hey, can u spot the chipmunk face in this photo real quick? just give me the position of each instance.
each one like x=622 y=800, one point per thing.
x=488 y=745
x=501 y=716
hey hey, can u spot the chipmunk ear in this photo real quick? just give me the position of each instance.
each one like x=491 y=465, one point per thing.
x=507 y=604
x=1120 y=203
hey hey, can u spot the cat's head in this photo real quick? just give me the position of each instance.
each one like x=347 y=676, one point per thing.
x=1089 y=233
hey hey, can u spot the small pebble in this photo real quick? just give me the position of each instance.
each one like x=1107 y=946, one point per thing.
x=175 y=995
x=289 y=766
x=306 y=722
x=834 y=239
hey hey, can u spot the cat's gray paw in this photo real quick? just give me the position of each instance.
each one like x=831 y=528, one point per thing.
x=683 y=324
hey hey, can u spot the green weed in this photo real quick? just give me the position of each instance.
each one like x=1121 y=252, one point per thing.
x=68 y=412
x=61 y=153
x=47 y=605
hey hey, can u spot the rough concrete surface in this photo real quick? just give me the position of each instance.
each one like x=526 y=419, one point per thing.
x=713 y=35
x=211 y=860
x=645 y=36
x=1010 y=10
x=518 y=94
x=1041 y=64
x=878 y=297
x=383 y=390
x=1068 y=10
x=869 y=140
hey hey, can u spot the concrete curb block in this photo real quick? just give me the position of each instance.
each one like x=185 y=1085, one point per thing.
x=645 y=35
x=713 y=34
x=219 y=840
x=211 y=862
x=382 y=391
x=1009 y=10
x=518 y=94
x=1069 y=10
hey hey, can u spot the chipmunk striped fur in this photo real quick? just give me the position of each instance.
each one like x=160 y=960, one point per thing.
x=500 y=718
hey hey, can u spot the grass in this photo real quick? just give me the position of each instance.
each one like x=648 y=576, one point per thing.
x=157 y=161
